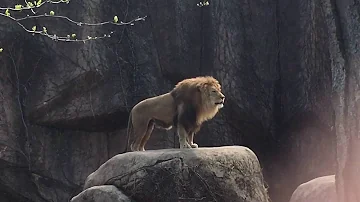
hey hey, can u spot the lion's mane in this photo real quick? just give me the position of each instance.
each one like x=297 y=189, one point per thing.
x=198 y=106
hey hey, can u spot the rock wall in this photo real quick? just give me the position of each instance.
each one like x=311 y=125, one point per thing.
x=346 y=102
x=64 y=106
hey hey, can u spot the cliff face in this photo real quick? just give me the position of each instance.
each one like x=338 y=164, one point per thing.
x=288 y=70
x=346 y=103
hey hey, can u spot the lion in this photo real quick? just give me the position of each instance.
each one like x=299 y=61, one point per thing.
x=190 y=103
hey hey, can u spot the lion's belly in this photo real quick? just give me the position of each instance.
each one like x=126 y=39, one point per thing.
x=162 y=124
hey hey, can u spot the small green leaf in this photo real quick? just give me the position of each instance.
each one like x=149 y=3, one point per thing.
x=89 y=37
x=44 y=30
x=18 y=7
x=33 y=28
x=30 y=4
x=116 y=19
x=1 y=50
x=73 y=35
x=52 y=13
x=7 y=13
x=38 y=3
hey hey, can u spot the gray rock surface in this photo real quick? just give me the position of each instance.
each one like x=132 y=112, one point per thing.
x=230 y=173
x=321 y=189
x=347 y=102
x=289 y=70
x=105 y=193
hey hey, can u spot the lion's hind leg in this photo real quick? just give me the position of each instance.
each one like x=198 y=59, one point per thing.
x=147 y=135
x=139 y=131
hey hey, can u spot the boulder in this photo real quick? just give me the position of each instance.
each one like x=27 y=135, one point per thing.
x=321 y=189
x=228 y=173
x=105 y=193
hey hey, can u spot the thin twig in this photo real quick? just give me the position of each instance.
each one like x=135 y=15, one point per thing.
x=26 y=2
x=35 y=6
x=67 y=38
x=79 y=23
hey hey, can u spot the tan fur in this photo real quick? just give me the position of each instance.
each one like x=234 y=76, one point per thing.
x=186 y=107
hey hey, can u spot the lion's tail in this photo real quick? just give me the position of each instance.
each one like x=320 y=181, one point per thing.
x=129 y=132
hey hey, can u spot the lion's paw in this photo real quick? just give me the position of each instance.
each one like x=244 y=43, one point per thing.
x=194 y=145
x=184 y=146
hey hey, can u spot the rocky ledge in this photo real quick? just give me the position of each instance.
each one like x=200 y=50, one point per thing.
x=321 y=189
x=229 y=173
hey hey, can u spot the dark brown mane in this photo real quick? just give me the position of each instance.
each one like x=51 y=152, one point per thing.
x=188 y=93
x=186 y=89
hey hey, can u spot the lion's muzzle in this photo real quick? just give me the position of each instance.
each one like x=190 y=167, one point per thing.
x=221 y=103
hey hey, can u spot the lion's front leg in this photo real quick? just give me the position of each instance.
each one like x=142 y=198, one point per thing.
x=182 y=137
x=191 y=140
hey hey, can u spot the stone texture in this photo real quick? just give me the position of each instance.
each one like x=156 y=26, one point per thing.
x=321 y=189
x=346 y=102
x=230 y=173
x=105 y=193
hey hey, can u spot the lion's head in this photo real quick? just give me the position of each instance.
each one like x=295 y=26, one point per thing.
x=211 y=95
x=204 y=93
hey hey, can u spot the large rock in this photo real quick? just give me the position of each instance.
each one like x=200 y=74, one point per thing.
x=231 y=173
x=321 y=189
x=105 y=193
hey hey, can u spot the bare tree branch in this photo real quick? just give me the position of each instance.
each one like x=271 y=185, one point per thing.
x=44 y=32
x=30 y=6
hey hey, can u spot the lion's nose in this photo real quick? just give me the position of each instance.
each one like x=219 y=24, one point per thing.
x=222 y=97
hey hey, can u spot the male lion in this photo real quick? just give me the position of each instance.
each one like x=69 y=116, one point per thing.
x=185 y=108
